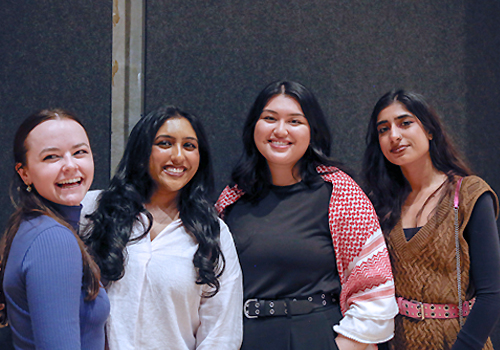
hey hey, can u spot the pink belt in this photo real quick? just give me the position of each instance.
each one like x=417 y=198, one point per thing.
x=413 y=309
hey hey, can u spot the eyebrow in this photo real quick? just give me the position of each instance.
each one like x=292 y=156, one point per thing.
x=292 y=114
x=171 y=137
x=397 y=118
x=53 y=149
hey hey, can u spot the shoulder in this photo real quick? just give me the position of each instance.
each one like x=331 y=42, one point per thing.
x=225 y=234
x=89 y=202
x=473 y=183
x=45 y=239
x=472 y=188
x=228 y=197
x=343 y=184
x=49 y=230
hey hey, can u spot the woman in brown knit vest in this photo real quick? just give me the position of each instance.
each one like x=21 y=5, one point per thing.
x=414 y=177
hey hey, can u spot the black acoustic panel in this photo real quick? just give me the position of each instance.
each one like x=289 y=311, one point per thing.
x=55 y=54
x=482 y=58
x=213 y=58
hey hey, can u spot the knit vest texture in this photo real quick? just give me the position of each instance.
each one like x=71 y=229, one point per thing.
x=424 y=270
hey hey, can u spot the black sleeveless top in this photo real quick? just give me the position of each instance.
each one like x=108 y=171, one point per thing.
x=284 y=243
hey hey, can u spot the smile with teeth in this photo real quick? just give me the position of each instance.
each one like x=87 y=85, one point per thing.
x=174 y=170
x=70 y=182
x=279 y=143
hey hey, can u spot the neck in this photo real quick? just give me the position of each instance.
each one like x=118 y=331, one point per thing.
x=163 y=206
x=422 y=175
x=284 y=175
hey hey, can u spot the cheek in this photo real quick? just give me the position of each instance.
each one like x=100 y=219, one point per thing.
x=260 y=131
x=157 y=158
x=195 y=160
x=384 y=146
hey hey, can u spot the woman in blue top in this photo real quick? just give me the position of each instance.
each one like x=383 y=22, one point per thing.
x=49 y=283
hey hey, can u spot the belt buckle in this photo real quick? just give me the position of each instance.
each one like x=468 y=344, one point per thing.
x=245 y=308
x=422 y=316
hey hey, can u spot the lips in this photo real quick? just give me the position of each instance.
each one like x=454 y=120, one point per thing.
x=398 y=149
x=69 y=183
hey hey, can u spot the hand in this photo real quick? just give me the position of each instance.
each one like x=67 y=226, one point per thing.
x=344 y=343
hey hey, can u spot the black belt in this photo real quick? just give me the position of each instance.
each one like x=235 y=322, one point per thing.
x=253 y=308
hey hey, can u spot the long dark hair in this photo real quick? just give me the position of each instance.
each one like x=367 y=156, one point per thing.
x=384 y=182
x=29 y=204
x=252 y=172
x=110 y=226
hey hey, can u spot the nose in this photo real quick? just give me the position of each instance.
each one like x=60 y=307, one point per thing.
x=281 y=130
x=69 y=163
x=177 y=154
x=395 y=134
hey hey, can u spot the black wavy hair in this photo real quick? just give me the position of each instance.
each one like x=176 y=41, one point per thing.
x=251 y=173
x=118 y=208
x=384 y=182
x=30 y=204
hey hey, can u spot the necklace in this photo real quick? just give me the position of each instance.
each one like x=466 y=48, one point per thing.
x=417 y=217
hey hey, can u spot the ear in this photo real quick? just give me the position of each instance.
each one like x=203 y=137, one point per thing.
x=23 y=173
x=429 y=136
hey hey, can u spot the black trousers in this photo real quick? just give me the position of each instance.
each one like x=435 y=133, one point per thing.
x=312 y=331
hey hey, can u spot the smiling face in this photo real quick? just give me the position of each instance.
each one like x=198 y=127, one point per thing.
x=403 y=140
x=282 y=133
x=59 y=163
x=175 y=157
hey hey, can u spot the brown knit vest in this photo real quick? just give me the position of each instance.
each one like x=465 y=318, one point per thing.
x=424 y=270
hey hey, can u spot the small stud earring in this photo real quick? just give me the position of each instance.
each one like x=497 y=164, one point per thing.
x=28 y=188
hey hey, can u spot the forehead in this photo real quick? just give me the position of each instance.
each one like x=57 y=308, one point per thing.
x=393 y=111
x=177 y=127
x=58 y=133
x=282 y=102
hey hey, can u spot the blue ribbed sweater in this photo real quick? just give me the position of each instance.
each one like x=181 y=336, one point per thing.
x=43 y=288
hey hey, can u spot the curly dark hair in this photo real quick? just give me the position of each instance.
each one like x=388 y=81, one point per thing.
x=119 y=207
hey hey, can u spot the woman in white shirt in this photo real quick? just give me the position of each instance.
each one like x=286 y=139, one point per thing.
x=173 y=273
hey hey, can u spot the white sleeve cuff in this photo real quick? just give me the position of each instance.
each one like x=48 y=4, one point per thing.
x=370 y=321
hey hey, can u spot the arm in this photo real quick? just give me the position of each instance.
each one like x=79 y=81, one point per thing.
x=484 y=249
x=367 y=298
x=221 y=316
x=53 y=271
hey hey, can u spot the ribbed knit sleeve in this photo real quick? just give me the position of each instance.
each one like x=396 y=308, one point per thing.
x=484 y=249
x=52 y=267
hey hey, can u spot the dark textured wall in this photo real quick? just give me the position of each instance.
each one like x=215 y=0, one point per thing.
x=482 y=72
x=213 y=59
x=54 y=53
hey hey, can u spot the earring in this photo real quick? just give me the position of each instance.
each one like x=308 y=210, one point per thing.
x=28 y=188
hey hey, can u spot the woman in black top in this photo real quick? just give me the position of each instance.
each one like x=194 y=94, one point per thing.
x=302 y=291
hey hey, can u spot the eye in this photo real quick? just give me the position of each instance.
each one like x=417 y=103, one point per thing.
x=296 y=122
x=163 y=143
x=50 y=157
x=81 y=152
x=268 y=118
x=406 y=122
x=382 y=130
x=190 y=146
